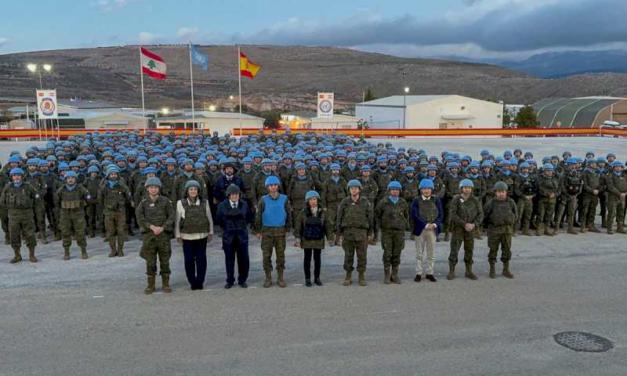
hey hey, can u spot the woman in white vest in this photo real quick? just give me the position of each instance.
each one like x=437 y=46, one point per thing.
x=193 y=227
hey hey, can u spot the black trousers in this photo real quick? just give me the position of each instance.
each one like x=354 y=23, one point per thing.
x=195 y=255
x=236 y=250
x=317 y=262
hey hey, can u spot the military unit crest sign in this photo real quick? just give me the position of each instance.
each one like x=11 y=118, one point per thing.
x=325 y=105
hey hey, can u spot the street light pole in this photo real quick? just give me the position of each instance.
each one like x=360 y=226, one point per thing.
x=406 y=91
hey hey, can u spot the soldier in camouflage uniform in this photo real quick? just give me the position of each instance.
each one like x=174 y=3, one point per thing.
x=382 y=175
x=465 y=215
x=113 y=197
x=34 y=178
x=71 y=198
x=591 y=190
x=355 y=226
x=410 y=184
x=333 y=192
x=616 y=191
x=525 y=187
x=500 y=216
x=299 y=185
x=155 y=216
x=570 y=187
x=93 y=210
x=548 y=191
x=272 y=223
x=451 y=181
x=19 y=199
x=369 y=187
x=168 y=180
x=247 y=174
x=392 y=219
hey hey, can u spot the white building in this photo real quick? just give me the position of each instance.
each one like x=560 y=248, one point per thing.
x=430 y=112
x=210 y=121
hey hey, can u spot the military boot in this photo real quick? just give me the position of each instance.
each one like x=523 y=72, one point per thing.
x=348 y=280
x=506 y=272
x=539 y=230
x=112 y=252
x=268 y=282
x=150 y=288
x=620 y=228
x=362 y=279
x=120 y=252
x=165 y=282
x=571 y=230
x=18 y=256
x=525 y=230
x=280 y=281
x=84 y=255
x=31 y=255
x=451 y=271
x=593 y=228
x=386 y=278
x=395 y=278
x=492 y=270
x=583 y=229
x=66 y=254
x=469 y=273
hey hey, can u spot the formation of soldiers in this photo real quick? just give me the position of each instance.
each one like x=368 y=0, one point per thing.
x=93 y=185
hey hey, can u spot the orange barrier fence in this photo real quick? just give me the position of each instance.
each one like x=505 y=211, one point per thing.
x=540 y=132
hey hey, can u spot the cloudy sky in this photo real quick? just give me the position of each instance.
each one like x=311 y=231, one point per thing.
x=512 y=29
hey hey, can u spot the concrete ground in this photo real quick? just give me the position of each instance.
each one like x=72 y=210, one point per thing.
x=91 y=317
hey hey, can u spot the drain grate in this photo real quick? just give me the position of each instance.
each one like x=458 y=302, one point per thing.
x=582 y=341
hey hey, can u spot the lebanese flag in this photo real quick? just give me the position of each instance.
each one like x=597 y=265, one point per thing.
x=152 y=64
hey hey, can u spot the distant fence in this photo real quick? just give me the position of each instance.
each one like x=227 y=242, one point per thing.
x=541 y=132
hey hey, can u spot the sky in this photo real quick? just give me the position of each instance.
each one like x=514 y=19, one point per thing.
x=477 y=29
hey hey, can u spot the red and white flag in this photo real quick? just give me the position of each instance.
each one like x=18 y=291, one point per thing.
x=152 y=64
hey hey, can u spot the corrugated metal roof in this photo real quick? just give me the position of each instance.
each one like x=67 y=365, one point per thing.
x=400 y=100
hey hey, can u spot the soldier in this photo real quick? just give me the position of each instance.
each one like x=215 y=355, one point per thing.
x=272 y=222
x=333 y=192
x=71 y=199
x=427 y=215
x=500 y=217
x=355 y=226
x=617 y=191
x=451 y=184
x=19 y=199
x=93 y=211
x=168 y=180
x=228 y=177
x=465 y=214
x=369 y=187
x=247 y=173
x=525 y=187
x=392 y=218
x=233 y=216
x=155 y=216
x=186 y=175
x=4 y=214
x=570 y=187
x=548 y=191
x=591 y=190
x=298 y=187
x=410 y=184
x=113 y=197
x=259 y=183
x=35 y=180
x=382 y=176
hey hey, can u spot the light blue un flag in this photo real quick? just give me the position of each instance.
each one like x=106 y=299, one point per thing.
x=199 y=58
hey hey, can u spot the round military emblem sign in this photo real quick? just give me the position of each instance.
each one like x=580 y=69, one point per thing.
x=47 y=106
x=326 y=106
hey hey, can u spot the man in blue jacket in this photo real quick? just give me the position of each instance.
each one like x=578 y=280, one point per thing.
x=233 y=216
x=426 y=215
x=227 y=178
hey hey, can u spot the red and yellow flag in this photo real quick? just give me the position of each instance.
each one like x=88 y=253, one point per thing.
x=247 y=67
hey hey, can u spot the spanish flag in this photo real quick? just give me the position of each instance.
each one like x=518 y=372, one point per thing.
x=247 y=67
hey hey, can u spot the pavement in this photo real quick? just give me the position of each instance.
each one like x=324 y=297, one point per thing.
x=81 y=317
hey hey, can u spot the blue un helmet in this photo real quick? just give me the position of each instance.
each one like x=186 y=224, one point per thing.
x=70 y=174
x=153 y=182
x=16 y=171
x=272 y=180
x=466 y=183
x=92 y=169
x=191 y=183
x=426 y=184
x=548 y=167
x=311 y=194
x=395 y=185
x=353 y=183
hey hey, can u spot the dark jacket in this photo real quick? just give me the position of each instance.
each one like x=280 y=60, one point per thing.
x=418 y=220
x=219 y=188
x=234 y=222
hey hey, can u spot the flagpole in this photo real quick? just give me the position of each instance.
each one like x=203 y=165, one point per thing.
x=141 y=76
x=191 y=78
x=239 y=74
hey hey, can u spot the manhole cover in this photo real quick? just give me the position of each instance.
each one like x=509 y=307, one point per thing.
x=581 y=341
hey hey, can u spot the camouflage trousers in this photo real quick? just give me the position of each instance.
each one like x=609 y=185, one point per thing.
x=616 y=210
x=459 y=236
x=567 y=204
x=496 y=239
x=273 y=239
x=156 y=247
x=21 y=225
x=355 y=241
x=393 y=243
x=115 y=228
x=72 y=223
x=588 y=210
x=525 y=211
x=546 y=208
